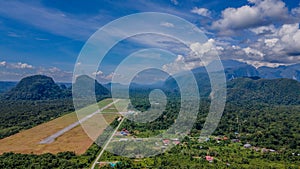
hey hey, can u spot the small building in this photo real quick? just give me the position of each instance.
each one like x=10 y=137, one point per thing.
x=247 y=145
x=124 y=132
x=209 y=158
x=123 y=139
x=166 y=142
x=120 y=118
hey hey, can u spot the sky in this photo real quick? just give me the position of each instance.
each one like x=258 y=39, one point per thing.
x=46 y=37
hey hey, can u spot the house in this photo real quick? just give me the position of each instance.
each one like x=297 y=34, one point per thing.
x=209 y=158
x=247 y=145
x=166 y=142
x=124 y=132
x=123 y=139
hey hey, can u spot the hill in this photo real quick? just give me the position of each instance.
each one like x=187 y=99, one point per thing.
x=271 y=91
x=86 y=87
x=37 y=87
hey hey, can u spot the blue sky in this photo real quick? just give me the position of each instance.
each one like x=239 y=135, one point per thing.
x=45 y=37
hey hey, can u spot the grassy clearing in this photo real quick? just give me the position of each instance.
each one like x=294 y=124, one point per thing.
x=76 y=140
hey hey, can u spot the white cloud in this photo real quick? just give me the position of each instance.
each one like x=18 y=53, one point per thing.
x=54 y=69
x=264 y=30
x=178 y=65
x=289 y=38
x=271 y=42
x=110 y=76
x=17 y=71
x=296 y=12
x=201 y=11
x=253 y=53
x=200 y=54
x=3 y=63
x=260 y=13
x=207 y=52
x=20 y=65
x=167 y=24
x=98 y=73
x=258 y=64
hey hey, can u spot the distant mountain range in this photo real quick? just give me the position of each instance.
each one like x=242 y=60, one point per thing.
x=291 y=72
x=40 y=87
x=234 y=69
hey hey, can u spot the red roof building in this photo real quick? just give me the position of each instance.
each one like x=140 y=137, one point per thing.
x=209 y=158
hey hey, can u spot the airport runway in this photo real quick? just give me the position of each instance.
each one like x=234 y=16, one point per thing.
x=51 y=138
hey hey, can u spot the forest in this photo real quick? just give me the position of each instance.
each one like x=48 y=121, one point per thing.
x=257 y=112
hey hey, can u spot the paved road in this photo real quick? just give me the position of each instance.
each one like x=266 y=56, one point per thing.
x=106 y=144
x=51 y=138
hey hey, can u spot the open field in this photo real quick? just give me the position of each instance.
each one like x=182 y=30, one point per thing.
x=28 y=141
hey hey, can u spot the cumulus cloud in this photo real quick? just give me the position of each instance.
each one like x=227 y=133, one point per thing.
x=201 y=11
x=258 y=64
x=20 y=65
x=253 y=53
x=257 y=13
x=178 y=65
x=279 y=46
x=98 y=73
x=17 y=71
x=200 y=54
x=289 y=35
x=3 y=63
x=264 y=30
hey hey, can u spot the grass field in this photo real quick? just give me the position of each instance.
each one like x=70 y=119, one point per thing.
x=76 y=140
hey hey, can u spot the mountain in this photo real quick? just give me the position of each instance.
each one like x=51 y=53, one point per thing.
x=291 y=72
x=86 y=87
x=37 y=87
x=232 y=69
x=40 y=87
x=271 y=91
